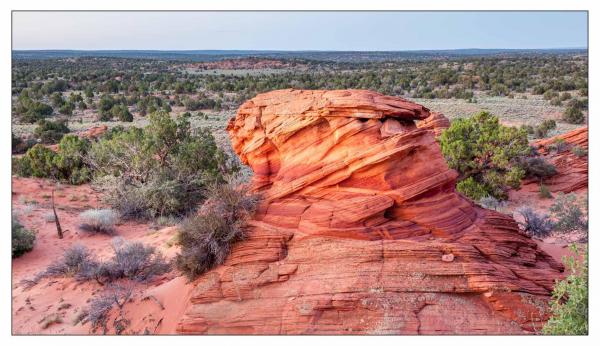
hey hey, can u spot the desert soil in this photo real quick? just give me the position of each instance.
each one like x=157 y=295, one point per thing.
x=155 y=307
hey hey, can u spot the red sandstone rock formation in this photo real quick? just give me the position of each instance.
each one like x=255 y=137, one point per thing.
x=94 y=132
x=572 y=171
x=436 y=122
x=360 y=231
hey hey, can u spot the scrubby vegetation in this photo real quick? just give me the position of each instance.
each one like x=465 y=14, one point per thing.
x=573 y=115
x=146 y=85
x=487 y=155
x=537 y=167
x=545 y=191
x=570 y=299
x=578 y=151
x=100 y=307
x=490 y=202
x=99 y=221
x=568 y=215
x=571 y=214
x=20 y=145
x=206 y=238
x=50 y=132
x=544 y=128
x=159 y=170
x=22 y=239
x=534 y=224
x=131 y=260
x=67 y=164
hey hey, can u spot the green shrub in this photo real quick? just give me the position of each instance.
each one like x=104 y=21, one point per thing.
x=472 y=189
x=578 y=151
x=542 y=130
x=159 y=170
x=573 y=115
x=571 y=214
x=550 y=94
x=545 y=191
x=578 y=103
x=22 y=239
x=559 y=145
x=206 y=238
x=67 y=108
x=537 y=167
x=481 y=149
x=122 y=113
x=65 y=165
x=565 y=96
x=570 y=299
x=35 y=111
x=528 y=128
x=37 y=162
x=70 y=161
x=50 y=132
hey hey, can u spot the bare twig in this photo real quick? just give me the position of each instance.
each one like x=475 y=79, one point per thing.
x=58 y=228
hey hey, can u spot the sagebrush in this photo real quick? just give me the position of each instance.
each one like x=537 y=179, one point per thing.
x=99 y=221
x=206 y=238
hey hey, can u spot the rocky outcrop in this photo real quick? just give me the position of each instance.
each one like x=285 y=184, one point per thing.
x=360 y=231
x=436 y=122
x=94 y=132
x=572 y=171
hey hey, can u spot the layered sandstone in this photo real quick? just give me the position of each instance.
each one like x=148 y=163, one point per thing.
x=360 y=230
x=572 y=171
x=436 y=122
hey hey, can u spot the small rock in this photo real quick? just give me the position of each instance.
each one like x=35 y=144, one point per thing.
x=448 y=257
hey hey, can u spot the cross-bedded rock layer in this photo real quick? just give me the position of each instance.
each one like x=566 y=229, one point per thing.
x=360 y=230
x=572 y=170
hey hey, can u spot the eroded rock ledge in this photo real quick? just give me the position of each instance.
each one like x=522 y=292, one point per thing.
x=361 y=231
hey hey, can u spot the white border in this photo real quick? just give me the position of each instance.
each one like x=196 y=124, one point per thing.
x=5 y=20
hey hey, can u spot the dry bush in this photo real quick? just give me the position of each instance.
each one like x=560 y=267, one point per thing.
x=99 y=221
x=535 y=224
x=100 y=307
x=206 y=238
x=571 y=214
x=537 y=167
x=134 y=261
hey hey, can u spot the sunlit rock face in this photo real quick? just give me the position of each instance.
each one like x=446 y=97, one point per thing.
x=360 y=230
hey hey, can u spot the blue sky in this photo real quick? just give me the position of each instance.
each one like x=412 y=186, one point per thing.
x=298 y=30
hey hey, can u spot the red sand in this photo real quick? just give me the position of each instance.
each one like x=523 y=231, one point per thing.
x=66 y=297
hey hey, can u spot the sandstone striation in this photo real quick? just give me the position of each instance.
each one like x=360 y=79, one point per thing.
x=572 y=171
x=360 y=230
x=436 y=122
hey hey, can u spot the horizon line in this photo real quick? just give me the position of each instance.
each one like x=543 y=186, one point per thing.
x=282 y=50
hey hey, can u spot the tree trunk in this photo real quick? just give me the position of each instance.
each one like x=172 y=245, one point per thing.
x=58 y=228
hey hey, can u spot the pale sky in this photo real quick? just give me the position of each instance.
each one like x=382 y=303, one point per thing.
x=297 y=30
